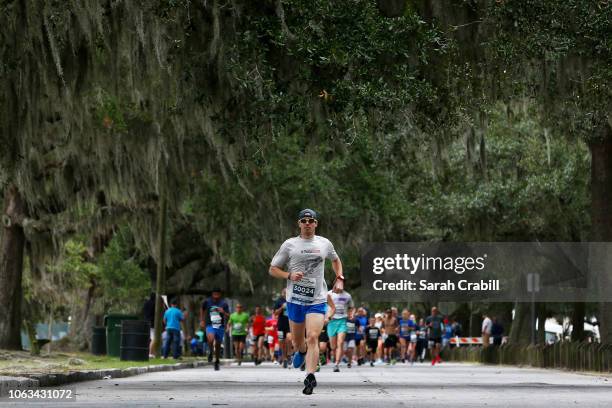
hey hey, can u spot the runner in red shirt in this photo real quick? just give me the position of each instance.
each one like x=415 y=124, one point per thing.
x=258 y=322
x=272 y=335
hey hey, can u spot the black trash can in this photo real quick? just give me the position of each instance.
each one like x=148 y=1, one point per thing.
x=134 y=340
x=98 y=341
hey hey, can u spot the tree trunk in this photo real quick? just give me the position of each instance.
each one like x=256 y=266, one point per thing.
x=520 y=333
x=12 y=247
x=81 y=327
x=541 y=312
x=601 y=218
x=161 y=266
x=578 y=313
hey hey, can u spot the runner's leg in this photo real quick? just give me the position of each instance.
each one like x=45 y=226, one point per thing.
x=210 y=339
x=402 y=348
x=217 y=349
x=340 y=346
x=333 y=344
x=261 y=352
x=297 y=336
x=314 y=325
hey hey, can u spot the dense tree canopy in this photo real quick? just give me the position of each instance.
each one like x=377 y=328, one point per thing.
x=471 y=122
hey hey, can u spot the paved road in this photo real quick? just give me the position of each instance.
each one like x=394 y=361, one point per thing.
x=447 y=385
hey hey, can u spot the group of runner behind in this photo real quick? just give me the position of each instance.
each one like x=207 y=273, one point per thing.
x=351 y=337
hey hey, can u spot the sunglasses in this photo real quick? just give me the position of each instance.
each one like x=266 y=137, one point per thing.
x=308 y=221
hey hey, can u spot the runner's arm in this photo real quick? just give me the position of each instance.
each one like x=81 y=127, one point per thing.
x=332 y=306
x=339 y=281
x=202 y=317
x=279 y=311
x=279 y=273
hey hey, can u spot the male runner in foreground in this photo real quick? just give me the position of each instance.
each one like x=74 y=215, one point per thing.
x=304 y=259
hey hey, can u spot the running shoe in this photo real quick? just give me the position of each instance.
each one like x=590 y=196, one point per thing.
x=349 y=365
x=299 y=359
x=309 y=383
x=217 y=365
x=371 y=364
x=285 y=364
x=336 y=369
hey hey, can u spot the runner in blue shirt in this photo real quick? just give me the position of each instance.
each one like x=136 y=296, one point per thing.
x=362 y=317
x=213 y=316
x=404 y=334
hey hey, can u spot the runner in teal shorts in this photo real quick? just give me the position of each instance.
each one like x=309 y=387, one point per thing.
x=336 y=328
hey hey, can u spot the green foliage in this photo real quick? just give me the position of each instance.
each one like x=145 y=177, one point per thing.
x=534 y=188
x=561 y=52
x=115 y=276
x=123 y=282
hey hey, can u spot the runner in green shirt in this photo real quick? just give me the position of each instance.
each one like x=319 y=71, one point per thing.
x=238 y=323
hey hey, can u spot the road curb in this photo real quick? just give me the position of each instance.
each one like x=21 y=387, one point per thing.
x=55 y=379
x=16 y=383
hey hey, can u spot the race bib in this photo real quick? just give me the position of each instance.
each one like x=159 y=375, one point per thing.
x=237 y=326
x=270 y=340
x=216 y=319
x=340 y=309
x=304 y=289
x=350 y=327
x=413 y=337
x=373 y=334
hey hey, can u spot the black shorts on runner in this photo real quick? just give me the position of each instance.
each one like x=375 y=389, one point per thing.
x=283 y=324
x=323 y=337
x=372 y=345
x=391 y=341
x=436 y=340
x=239 y=337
